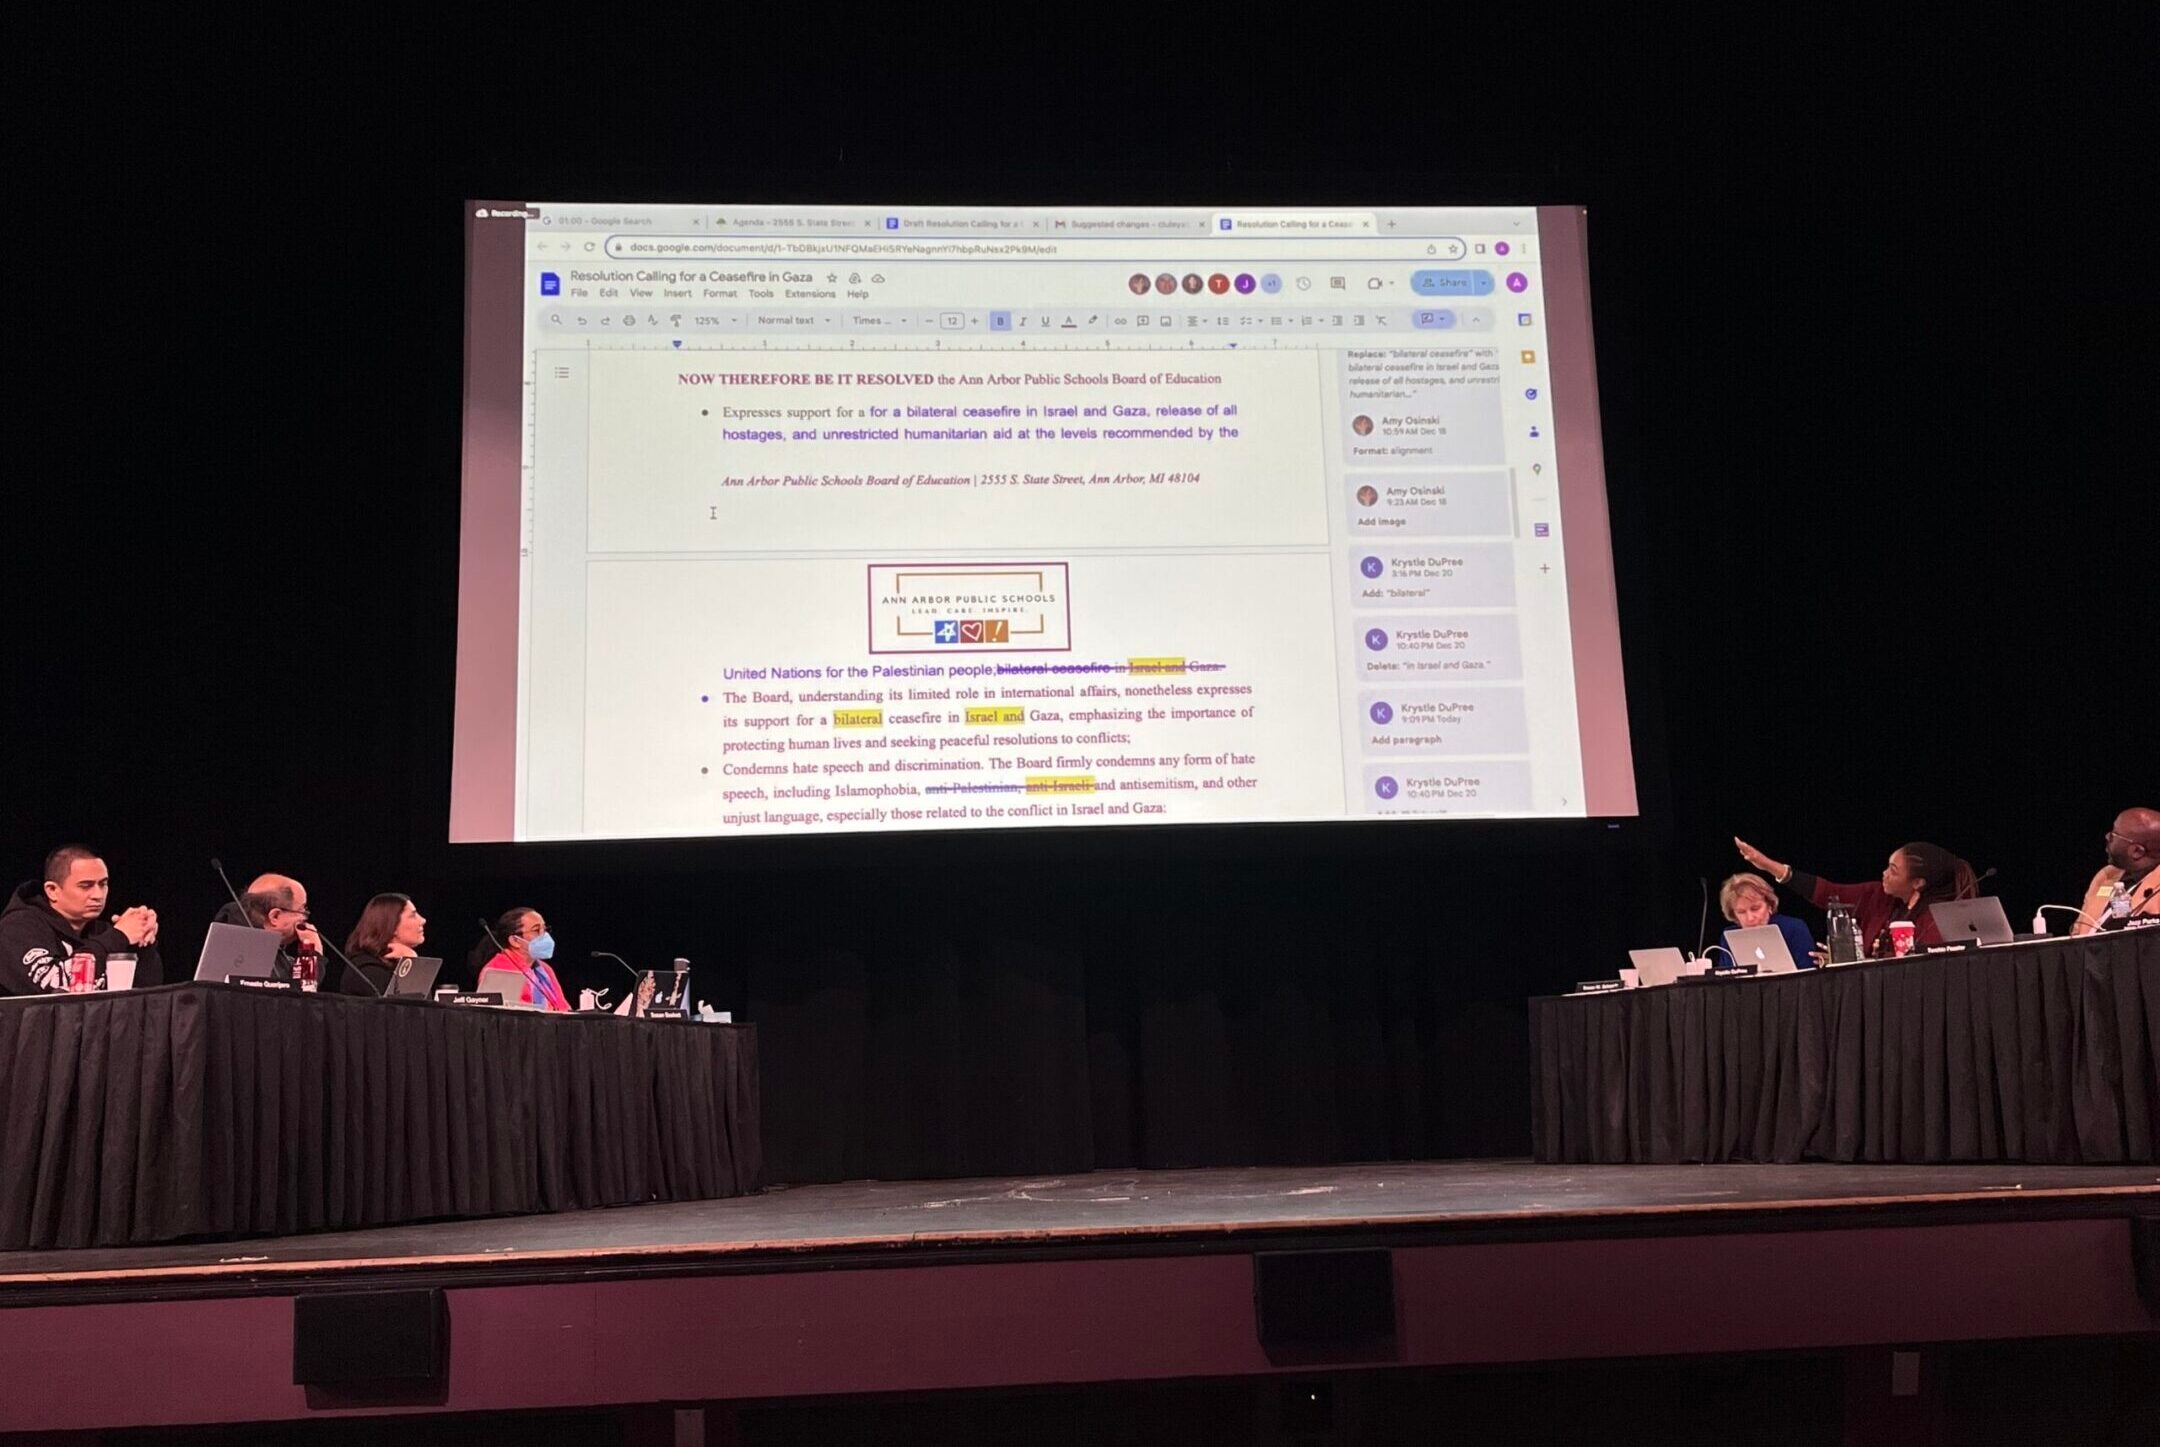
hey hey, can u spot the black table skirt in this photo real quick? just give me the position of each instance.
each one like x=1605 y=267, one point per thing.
x=2047 y=1052
x=211 y=1110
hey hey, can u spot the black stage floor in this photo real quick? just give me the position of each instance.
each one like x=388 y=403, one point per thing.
x=1109 y=1213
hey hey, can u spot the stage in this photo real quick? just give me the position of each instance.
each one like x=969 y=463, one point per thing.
x=1115 y=1276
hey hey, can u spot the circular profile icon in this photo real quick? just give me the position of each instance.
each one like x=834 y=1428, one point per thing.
x=1218 y=283
x=1381 y=713
x=1361 y=425
x=1516 y=281
x=1376 y=639
x=1500 y=248
x=1245 y=283
x=1371 y=567
x=1166 y=284
x=1193 y=282
x=1138 y=284
x=1368 y=495
x=1271 y=283
x=1386 y=787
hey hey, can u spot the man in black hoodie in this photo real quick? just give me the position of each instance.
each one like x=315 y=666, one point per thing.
x=50 y=919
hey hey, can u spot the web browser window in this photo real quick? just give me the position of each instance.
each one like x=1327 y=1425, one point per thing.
x=785 y=519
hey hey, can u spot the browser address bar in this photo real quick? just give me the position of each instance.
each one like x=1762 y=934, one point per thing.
x=1146 y=249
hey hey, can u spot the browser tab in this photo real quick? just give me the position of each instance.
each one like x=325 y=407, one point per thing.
x=1295 y=223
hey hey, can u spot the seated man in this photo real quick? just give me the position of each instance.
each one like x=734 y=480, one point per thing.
x=2126 y=891
x=277 y=902
x=50 y=919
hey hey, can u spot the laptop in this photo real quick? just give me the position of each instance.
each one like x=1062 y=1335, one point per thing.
x=1979 y=919
x=1764 y=948
x=413 y=977
x=669 y=996
x=507 y=983
x=1657 y=967
x=232 y=949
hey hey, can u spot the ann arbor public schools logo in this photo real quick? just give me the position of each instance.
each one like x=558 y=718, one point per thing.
x=1018 y=607
x=972 y=630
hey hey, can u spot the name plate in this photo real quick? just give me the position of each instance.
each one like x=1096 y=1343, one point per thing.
x=1732 y=972
x=257 y=982
x=1598 y=987
x=468 y=997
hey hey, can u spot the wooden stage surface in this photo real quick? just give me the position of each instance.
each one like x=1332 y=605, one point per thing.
x=1106 y=1213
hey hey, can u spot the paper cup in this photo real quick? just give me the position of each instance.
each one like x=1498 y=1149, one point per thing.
x=119 y=972
x=1902 y=934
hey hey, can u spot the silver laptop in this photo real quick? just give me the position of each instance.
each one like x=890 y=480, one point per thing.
x=232 y=949
x=1764 y=948
x=508 y=984
x=414 y=976
x=1979 y=919
x=1657 y=967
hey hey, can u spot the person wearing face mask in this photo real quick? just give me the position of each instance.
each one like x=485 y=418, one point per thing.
x=1750 y=902
x=526 y=948
x=391 y=929
x=1917 y=877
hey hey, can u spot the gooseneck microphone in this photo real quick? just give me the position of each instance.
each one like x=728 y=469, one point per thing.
x=226 y=880
x=635 y=977
x=489 y=930
x=350 y=967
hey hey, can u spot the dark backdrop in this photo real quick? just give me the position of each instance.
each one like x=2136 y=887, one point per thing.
x=1872 y=326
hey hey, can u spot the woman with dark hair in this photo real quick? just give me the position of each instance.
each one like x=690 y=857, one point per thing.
x=391 y=929
x=1917 y=876
x=526 y=949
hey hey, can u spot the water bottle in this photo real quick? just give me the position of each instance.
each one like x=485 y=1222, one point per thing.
x=1843 y=930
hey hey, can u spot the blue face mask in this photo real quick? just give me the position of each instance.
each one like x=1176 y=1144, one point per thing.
x=541 y=946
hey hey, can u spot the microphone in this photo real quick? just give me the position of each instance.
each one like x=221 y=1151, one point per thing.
x=635 y=978
x=1702 y=924
x=489 y=930
x=226 y=880
x=618 y=959
x=350 y=967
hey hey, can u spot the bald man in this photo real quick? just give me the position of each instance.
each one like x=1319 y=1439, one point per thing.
x=279 y=903
x=2127 y=890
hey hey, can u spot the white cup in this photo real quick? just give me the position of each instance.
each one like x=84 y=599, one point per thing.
x=588 y=1000
x=119 y=972
x=1630 y=979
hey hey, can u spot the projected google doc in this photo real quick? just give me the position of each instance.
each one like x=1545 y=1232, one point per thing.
x=865 y=575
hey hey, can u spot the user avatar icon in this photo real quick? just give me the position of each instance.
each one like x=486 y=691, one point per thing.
x=1166 y=284
x=1368 y=495
x=1361 y=425
x=1192 y=283
x=1139 y=284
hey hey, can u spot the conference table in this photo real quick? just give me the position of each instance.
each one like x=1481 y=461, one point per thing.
x=212 y=1110
x=2045 y=1051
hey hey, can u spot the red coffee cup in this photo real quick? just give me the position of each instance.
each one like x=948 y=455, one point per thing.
x=1902 y=934
x=82 y=972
